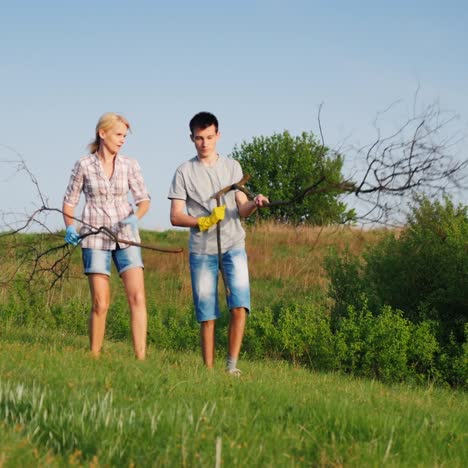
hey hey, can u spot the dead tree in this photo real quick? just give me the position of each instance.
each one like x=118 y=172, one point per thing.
x=418 y=158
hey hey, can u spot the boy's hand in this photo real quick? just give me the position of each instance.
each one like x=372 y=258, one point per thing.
x=205 y=222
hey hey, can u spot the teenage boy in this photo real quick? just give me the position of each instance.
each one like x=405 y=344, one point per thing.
x=192 y=205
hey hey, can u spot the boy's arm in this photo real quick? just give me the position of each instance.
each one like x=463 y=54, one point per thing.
x=245 y=206
x=179 y=217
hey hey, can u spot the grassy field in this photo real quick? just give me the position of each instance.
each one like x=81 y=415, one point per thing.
x=59 y=407
x=286 y=264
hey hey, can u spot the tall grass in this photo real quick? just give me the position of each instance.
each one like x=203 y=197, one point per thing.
x=58 y=406
x=284 y=262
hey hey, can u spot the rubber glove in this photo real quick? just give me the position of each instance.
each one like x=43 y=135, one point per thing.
x=71 y=236
x=205 y=222
x=132 y=220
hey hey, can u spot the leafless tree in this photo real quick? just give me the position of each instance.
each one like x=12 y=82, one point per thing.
x=419 y=157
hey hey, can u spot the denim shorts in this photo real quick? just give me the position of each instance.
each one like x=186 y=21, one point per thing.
x=204 y=273
x=99 y=261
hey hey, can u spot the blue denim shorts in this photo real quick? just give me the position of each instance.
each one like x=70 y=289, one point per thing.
x=204 y=273
x=99 y=261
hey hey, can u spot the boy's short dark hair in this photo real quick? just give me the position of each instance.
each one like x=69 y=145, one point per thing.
x=203 y=120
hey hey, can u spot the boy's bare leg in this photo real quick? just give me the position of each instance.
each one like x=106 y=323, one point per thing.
x=235 y=335
x=207 y=339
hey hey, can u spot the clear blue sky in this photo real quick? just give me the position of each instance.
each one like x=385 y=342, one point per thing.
x=260 y=66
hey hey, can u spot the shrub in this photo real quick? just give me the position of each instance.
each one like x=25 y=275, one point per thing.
x=352 y=332
x=423 y=349
x=423 y=273
x=461 y=363
x=297 y=333
x=260 y=338
x=385 y=345
x=172 y=328
x=386 y=356
x=346 y=286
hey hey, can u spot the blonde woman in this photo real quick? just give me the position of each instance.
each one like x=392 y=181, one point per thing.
x=106 y=177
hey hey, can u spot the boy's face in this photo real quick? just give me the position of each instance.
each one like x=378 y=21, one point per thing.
x=205 y=140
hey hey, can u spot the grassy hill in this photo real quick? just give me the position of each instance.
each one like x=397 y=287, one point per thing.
x=60 y=407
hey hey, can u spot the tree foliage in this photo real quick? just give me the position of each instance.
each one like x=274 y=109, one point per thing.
x=282 y=165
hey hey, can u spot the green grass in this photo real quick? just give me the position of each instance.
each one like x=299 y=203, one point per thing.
x=59 y=407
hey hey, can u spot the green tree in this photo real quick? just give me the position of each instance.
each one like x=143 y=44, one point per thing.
x=281 y=166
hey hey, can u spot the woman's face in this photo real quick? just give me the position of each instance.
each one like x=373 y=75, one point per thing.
x=114 y=138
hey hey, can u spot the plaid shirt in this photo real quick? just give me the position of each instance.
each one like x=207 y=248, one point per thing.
x=106 y=201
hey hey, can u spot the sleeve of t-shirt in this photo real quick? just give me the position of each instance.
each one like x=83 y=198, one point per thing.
x=177 y=189
x=237 y=172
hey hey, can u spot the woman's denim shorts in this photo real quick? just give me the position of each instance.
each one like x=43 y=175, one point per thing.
x=99 y=261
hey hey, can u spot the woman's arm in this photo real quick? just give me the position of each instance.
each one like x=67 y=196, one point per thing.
x=142 y=208
x=68 y=213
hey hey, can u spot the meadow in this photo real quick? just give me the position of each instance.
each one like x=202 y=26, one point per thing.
x=60 y=407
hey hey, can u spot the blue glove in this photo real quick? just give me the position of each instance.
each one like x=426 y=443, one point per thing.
x=71 y=236
x=132 y=220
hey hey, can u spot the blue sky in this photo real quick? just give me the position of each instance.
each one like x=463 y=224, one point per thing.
x=260 y=66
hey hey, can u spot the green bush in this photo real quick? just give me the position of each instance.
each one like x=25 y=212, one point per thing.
x=453 y=361
x=461 y=363
x=304 y=336
x=297 y=333
x=385 y=345
x=172 y=328
x=351 y=334
x=118 y=319
x=260 y=339
x=423 y=273
x=423 y=350
x=346 y=286
x=71 y=316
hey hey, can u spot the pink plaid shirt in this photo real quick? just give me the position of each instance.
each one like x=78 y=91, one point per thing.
x=106 y=200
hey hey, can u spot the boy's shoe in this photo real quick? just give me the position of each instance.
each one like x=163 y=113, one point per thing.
x=235 y=372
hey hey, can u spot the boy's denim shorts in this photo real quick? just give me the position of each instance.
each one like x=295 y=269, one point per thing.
x=99 y=261
x=204 y=273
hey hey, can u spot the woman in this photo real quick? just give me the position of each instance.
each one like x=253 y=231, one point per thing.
x=105 y=177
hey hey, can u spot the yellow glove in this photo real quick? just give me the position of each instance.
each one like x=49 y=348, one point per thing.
x=205 y=222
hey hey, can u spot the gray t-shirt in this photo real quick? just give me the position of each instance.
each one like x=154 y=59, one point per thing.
x=196 y=184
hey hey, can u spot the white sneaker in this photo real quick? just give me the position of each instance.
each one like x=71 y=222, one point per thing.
x=236 y=372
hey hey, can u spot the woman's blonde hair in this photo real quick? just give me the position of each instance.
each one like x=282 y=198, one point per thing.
x=106 y=122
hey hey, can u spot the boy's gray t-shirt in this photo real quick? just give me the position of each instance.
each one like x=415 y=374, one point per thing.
x=196 y=184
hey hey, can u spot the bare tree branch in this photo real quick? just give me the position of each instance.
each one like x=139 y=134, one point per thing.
x=40 y=259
